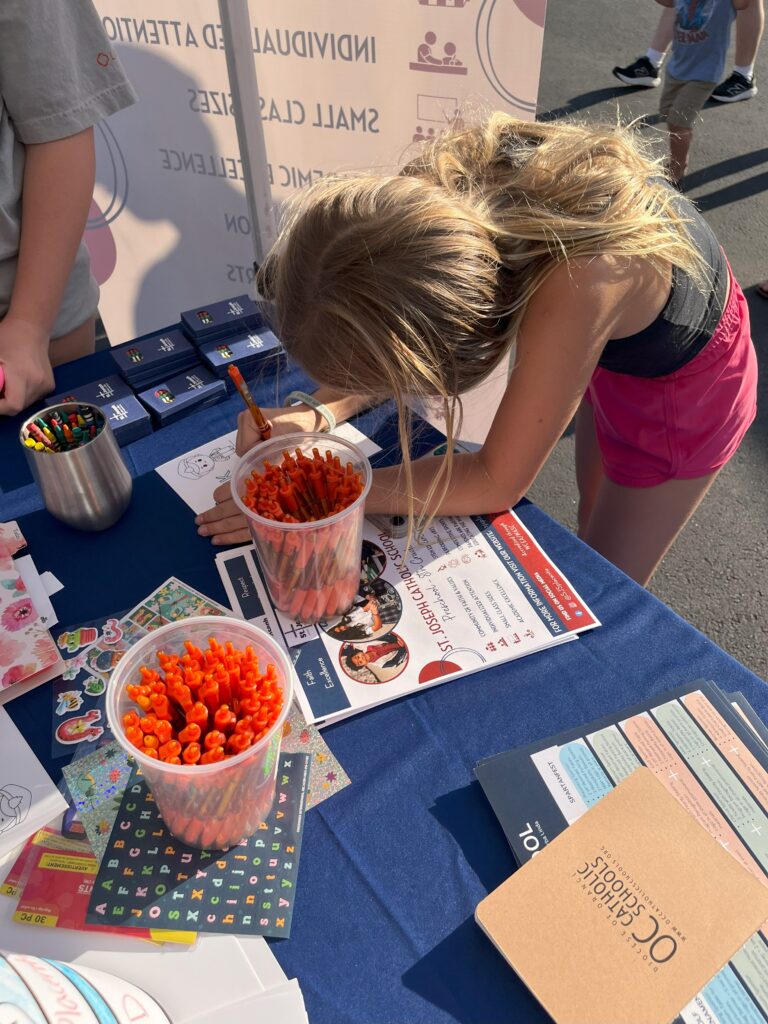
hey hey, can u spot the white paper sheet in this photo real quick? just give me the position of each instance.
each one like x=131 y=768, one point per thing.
x=262 y=960
x=282 y=1005
x=51 y=584
x=28 y=798
x=195 y=475
x=33 y=581
x=187 y=981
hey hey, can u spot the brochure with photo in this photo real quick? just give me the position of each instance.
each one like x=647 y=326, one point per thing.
x=470 y=593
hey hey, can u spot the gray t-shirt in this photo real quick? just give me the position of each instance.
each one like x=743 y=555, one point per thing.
x=58 y=76
x=700 y=40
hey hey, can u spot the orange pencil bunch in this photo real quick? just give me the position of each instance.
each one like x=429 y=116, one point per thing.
x=303 y=490
x=203 y=706
x=312 y=570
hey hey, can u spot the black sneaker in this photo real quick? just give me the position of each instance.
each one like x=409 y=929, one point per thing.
x=642 y=72
x=736 y=87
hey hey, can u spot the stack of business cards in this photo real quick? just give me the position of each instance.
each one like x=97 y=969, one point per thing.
x=221 y=319
x=248 y=351
x=125 y=413
x=177 y=396
x=154 y=357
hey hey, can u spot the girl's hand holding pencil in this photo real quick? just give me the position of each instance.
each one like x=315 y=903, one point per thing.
x=260 y=422
x=283 y=421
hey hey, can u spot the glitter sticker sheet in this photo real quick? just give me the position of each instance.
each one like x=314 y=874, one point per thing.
x=326 y=776
x=148 y=878
x=96 y=784
x=94 y=650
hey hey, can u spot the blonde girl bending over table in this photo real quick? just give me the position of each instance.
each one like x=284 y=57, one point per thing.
x=562 y=242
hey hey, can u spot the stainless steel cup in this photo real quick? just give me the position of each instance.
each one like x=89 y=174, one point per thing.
x=88 y=487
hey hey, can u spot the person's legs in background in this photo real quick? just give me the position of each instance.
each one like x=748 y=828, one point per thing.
x=645 y=70
x=679 y=146
x=680 y=106
x=740 y=84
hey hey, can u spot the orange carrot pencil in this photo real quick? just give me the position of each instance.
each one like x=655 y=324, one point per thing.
x=263 y=425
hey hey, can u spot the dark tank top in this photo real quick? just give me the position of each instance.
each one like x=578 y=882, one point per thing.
x=688 y=319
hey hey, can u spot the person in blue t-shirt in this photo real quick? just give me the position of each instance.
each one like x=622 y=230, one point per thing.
x=699 y=48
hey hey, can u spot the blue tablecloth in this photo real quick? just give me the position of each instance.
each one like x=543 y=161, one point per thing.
x=394 y=865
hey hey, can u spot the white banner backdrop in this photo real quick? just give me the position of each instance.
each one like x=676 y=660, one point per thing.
x=343 y=84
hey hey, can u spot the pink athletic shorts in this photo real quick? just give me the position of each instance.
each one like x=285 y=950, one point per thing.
x=688 y=423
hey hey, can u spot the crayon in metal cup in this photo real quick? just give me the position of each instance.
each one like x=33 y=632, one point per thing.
x=87 y=487
x=312 y=569
x=210 y=806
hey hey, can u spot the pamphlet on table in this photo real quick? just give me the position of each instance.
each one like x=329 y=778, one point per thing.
x=471 y=592
x=708 y=755
x=628 y=913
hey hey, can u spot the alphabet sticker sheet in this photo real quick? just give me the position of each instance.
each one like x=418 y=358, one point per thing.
x=147 y=878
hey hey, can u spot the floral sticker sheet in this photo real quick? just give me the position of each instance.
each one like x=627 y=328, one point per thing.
x=26 y=646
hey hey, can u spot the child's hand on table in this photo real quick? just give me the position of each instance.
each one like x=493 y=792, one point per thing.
x=26 y=366
x=224 y=523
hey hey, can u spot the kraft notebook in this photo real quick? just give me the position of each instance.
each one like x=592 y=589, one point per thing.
x=625 y=916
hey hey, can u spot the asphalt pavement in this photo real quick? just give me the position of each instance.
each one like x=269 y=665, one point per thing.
x=716 y=575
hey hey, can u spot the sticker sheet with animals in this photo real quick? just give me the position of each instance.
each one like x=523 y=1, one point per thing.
x=148 y=877
x=92 y=652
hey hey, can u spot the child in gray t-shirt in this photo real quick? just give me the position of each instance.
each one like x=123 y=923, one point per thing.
x=58 y=78
x=700 y=42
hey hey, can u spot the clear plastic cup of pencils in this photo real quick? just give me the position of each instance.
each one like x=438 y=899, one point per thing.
x=200 y=705
x=303 y=496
